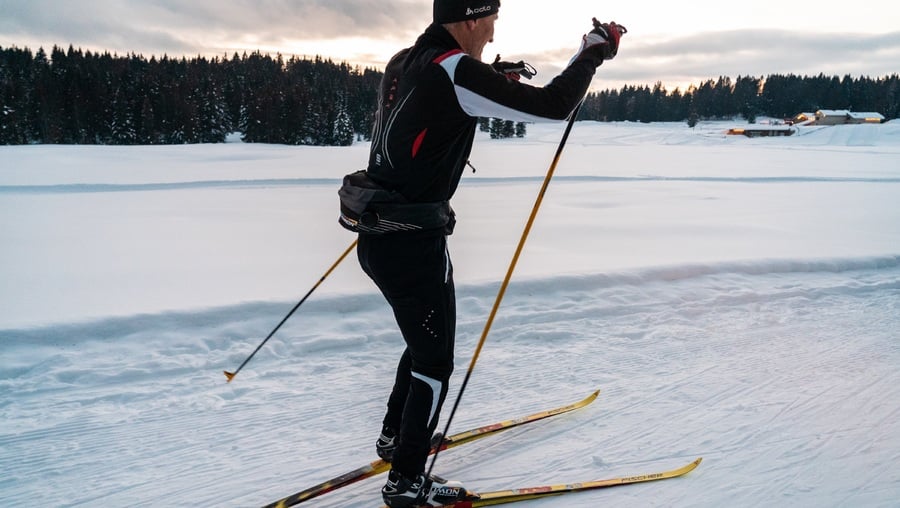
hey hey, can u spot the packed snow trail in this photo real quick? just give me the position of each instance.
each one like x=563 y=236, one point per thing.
x=782 y=375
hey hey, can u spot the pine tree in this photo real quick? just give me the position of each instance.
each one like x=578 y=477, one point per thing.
x=520 y=130
x=122 y=128
x=342 y=133
x=496 y=128
x=693 y=119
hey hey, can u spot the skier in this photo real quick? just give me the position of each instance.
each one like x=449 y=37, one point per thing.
x=430 y=98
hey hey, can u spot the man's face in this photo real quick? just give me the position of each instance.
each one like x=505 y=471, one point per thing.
x=482 y=34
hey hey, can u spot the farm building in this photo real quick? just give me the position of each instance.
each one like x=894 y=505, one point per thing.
x=756 y=131
x=843 y=116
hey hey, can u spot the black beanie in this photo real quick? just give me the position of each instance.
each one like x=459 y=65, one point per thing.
x=451 y=11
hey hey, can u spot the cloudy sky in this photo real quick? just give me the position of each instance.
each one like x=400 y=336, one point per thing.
x=676 y=43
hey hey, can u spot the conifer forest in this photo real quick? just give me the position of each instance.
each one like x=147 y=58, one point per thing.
x=82 y=97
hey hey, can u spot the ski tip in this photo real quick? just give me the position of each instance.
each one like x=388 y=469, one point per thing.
x=229 y=375
x=693 y=465
x=591 y=398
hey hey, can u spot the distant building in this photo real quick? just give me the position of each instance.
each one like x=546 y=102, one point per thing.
x=820 y=117
x=802 y=119
x=756 y=131
x=843 y=116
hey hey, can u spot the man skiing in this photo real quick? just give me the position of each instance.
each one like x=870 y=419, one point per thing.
x=430 y=98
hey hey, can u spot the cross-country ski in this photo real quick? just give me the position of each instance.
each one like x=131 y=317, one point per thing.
x=528 y=493
x=380 y=466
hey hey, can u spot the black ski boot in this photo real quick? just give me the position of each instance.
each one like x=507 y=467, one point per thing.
x=402 y=492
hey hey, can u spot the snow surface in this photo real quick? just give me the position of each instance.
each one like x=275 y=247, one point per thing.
x=736 y=299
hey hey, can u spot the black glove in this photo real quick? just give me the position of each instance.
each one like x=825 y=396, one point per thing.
x=514 y=70
x=601 y=43
x=611 y=33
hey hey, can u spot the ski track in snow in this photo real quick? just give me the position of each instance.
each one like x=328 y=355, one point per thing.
x=794 y=361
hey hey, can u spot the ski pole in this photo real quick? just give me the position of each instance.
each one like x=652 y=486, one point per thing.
x=230 y=375
x=509 y=272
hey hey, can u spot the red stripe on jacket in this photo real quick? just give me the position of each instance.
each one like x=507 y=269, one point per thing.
x=447 y=55
x=418 y=142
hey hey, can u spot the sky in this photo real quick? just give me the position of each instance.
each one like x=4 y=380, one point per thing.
x=674 y=43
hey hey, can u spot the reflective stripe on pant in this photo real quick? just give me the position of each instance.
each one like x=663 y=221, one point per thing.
x=415 y=275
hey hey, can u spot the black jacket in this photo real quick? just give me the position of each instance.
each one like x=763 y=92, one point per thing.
x=430 y=99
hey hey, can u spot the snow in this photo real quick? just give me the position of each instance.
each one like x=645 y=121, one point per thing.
x=736 y=299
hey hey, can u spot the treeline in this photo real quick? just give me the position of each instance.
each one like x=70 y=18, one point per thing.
x=79 y=97
x=776 y=96
x=83 y=97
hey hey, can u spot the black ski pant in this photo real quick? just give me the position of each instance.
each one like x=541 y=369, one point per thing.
x=416 y=277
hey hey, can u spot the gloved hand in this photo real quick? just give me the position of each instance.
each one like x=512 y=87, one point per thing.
x=514 y=70
x=601 y=43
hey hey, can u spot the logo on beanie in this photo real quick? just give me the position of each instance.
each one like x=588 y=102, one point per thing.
x=453 y=11
x=478 y=10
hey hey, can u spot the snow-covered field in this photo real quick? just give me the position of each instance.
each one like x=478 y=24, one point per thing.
x=733 y=299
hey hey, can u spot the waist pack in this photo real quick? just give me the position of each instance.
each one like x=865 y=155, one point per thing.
x=367 y=207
